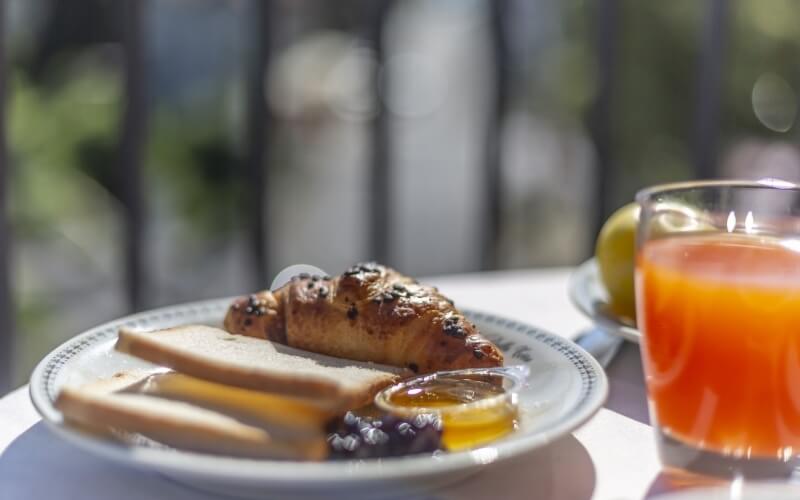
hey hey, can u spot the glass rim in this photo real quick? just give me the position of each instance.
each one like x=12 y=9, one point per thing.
x=645 y=194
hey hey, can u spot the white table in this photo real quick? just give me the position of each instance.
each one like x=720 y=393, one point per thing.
x=613 y=456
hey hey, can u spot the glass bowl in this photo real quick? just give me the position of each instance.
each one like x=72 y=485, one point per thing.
x=475 y=406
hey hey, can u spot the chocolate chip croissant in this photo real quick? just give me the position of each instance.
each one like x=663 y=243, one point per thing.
x=369 y=313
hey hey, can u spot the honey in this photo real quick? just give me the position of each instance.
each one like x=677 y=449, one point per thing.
x=438 y=393
x=474 y=409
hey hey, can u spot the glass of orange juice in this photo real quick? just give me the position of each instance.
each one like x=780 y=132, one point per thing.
x=718 y=305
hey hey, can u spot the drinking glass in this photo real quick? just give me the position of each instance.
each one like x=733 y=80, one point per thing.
x=718 y=305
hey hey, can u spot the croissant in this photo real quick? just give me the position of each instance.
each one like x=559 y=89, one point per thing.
x=369 y=313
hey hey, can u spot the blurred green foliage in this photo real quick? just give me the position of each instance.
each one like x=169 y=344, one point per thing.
x=191 y=157
x=61 y=142
x=655 y=80
x=762 y=40
x=65 y=190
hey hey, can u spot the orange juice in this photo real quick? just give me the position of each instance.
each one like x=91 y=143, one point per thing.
x=720 y=317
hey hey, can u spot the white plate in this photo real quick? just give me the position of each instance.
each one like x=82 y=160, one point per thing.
x=738 y=490
x=566 y=387
x=589 y=295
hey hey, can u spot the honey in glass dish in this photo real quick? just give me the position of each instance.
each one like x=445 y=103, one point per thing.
x=721 y=317
x=475 y=406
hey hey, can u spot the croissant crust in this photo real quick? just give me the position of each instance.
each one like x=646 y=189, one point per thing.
x=369 y=313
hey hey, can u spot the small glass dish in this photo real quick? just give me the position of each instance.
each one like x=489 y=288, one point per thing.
x=476 y=405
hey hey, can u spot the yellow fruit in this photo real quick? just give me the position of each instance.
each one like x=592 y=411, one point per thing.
x=616 y=246
x=615 y=251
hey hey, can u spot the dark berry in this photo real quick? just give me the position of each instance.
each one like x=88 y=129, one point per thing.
x=375 y=437
x=351 y=442
x=357 y=437
x=350 y=418
x=405 y=429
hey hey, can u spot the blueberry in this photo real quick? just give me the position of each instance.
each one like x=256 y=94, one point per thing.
x=404 y=429
x=351 y=442
x=375 y=437
x=350 y=419
x=357 y=437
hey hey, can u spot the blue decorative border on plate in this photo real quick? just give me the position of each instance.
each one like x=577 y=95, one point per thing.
x=587 y=371
x=108 y=331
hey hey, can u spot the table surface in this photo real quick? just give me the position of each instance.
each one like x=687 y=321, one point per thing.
x=613 y=456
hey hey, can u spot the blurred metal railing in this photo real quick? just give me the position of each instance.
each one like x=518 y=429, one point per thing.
x=600 y=119
x=131 y=147
x=259 y=127
x=495 y=124
x=6 y=304
x=713 y=41
x=381 y=215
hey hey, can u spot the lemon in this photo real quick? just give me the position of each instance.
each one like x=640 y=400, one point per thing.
x=616 y=246
x=615 y=251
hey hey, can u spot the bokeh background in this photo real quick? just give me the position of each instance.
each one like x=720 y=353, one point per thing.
x=160 y=151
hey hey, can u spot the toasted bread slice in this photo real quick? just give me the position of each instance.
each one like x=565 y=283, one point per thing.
x=179 y=424
x=215 y=355
x=281 y=416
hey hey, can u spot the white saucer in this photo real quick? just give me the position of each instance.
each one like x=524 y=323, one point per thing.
x=590 y=297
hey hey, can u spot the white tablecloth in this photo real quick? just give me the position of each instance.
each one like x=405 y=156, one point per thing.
x=613 y=456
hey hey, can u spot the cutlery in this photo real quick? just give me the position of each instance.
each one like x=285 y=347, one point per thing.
x=602 y=345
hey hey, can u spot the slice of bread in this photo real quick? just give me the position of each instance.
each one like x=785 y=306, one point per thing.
x=251 y=363
x=280 y=415
x=179 y=424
